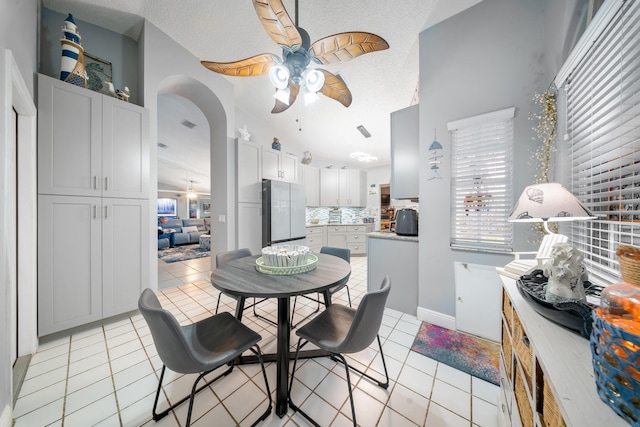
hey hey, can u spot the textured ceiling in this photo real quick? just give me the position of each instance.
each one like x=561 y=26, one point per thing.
x=229 y=30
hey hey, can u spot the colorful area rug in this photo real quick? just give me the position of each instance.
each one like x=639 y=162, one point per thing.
x=467 y=353
x=182 y=253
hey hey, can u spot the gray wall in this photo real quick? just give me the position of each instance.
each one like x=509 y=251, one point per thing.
x=18 y=33
x=492 y=56
x=120 y=50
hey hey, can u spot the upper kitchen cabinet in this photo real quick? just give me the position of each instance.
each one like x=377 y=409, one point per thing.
x=249 y=172
x=90 y=144
x=404 y=153
x=352 y=190
x=310 y=177
x=279 y=166
x=329 y=187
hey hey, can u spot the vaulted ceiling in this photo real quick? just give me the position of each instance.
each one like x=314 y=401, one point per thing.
x=229 y=30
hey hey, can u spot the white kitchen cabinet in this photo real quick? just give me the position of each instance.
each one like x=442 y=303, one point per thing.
x=337 y=236
x=352 y=188
x=93 y=207
x=316 y=238
x=310 y=177
x=90 y=144
x=405 y=158
x=92 y=259
x=249 y=172
x=250 y=226
x=478 y=295
x=357 y=239
x=329 y=187
x=279 y=166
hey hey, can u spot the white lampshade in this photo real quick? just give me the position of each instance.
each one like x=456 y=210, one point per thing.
x=548 y=202
x=283 y=95
x=279 y=76
x=313 y=79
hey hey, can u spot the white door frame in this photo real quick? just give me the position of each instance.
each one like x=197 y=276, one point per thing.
x=20 y=99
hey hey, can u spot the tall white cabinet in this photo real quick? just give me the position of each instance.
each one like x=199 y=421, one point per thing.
x=93 y=207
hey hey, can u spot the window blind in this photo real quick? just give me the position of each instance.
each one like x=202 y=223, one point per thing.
x=482 y=181
x=603 y=125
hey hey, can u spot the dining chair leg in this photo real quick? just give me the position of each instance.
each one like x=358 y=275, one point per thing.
x=164 y=413
x=218 y=303
x=293 y=310
x=292 y=405
x=264 y=416
x=381 y=384
x=346 y=369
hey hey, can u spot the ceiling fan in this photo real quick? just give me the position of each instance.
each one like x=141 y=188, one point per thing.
x=291 y=74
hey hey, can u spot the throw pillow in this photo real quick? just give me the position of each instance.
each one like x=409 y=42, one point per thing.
x=191 y=229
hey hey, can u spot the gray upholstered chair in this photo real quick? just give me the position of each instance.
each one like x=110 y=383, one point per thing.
x=342 y=330
x=223 y=258
x=200 y=347
x=343 y=253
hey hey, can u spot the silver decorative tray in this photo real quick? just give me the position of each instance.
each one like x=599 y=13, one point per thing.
x=312 y=263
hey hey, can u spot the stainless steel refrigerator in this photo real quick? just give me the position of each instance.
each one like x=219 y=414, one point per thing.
x=283 y=218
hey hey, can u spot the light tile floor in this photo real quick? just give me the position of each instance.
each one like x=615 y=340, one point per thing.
x=108 y=375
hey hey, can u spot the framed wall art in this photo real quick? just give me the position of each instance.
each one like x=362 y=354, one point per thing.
x=98 y=72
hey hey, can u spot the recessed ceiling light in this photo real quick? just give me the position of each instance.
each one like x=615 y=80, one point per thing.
x=187 y=123
x=363 y=130
x=363 y=157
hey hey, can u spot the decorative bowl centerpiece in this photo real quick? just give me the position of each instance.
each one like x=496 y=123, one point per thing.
x=286 y=259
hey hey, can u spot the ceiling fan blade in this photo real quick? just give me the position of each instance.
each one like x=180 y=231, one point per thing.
x=253 y=66
x=293 y=94
x=335 y=88
x=277 y=23
x=345 y=46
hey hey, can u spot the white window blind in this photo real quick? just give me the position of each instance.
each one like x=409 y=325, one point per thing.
x=603 y=125
x=482 y=181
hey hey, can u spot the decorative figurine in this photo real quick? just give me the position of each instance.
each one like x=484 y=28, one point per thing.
x=275 y=144
x=244 y=132
x=565 y=272
x=117 y=93
x=72 y=63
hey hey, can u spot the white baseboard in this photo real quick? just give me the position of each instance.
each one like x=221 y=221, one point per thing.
x=6 y=419
x=437 y=318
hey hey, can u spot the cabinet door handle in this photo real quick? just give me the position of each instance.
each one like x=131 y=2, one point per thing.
x=95 y=182
x=95 y=211
x=106 y=184
x=105 y=212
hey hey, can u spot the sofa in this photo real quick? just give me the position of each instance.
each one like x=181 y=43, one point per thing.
x=188 y=231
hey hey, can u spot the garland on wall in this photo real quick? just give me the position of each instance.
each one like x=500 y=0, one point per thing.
x=545 y=131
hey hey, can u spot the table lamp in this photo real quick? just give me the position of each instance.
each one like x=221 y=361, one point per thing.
x=548 y=202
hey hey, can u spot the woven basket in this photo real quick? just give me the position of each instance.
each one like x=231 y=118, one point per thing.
x=616 y=367
x=629 y=257
x=551 y=416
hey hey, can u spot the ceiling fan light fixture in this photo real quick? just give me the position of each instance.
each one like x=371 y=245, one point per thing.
x=313 y=79
x=279 y=76
x=309 y=96
x=282 y=95
x=363 y=157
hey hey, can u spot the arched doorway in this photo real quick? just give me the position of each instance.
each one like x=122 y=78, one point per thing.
x=222 y=157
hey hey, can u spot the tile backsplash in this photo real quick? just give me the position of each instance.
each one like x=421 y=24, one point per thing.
x=347 y=215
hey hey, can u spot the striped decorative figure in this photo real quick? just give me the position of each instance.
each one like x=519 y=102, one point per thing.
x=72 y=63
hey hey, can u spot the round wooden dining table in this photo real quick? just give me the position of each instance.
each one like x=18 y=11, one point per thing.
x=240 y=279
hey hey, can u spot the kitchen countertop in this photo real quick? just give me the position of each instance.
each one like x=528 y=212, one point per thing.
x=391 y=236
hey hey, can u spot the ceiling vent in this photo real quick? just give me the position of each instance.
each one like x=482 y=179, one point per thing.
x=364 y=131
x=188 y=124
x=161 y=145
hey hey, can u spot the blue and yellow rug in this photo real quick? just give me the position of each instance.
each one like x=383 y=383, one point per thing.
x=467 y=353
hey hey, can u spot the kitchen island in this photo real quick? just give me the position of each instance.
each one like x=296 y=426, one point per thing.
x=396 y=256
